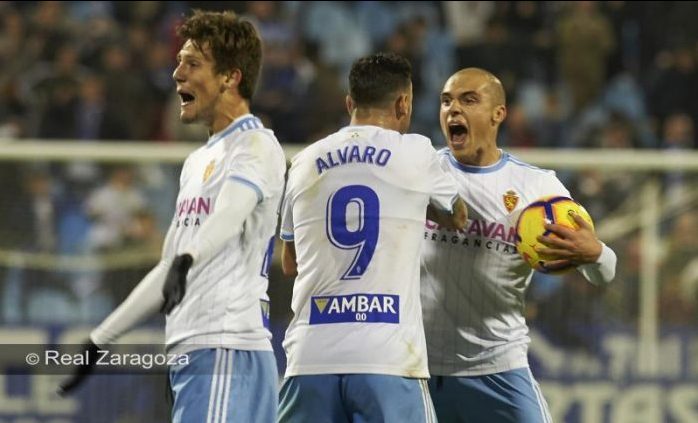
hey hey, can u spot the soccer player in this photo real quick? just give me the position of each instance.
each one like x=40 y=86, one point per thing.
x=212 y=279
x=473 y=281
x=352 y=217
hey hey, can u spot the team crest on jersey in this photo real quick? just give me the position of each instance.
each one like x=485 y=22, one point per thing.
x=510 y=200
x=209 y=170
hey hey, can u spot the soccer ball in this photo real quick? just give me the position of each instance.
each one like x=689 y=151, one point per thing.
x=552 y=209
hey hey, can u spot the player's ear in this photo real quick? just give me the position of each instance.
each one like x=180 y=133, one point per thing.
x=499 y=113
x=402 y=106
x=350 y=104
x=232 y=79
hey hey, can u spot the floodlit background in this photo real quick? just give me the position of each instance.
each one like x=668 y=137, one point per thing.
x=602 y=92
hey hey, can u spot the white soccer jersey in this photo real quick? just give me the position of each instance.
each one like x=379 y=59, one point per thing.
x=226 y=295
x=355 y=206
x=473 y=281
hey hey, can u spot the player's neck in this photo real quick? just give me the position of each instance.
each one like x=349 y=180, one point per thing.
x=480 y=157
x=375 y=117
x=227 y=115
x=490 y=157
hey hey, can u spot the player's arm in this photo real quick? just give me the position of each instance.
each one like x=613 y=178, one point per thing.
x=580 y=247
x=446 y=207
x=289 y=265
x=234 y=204
x=165 y=285
x=145 y=299
x=288 y=258
x=450 y=220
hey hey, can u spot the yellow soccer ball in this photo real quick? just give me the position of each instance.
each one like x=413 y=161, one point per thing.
x=551 y=209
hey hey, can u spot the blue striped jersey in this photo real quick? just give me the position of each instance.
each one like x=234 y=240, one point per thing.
x=354 y=206
x=473 y=281
x=226 y=294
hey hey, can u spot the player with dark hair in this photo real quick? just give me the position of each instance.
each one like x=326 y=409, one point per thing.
x=473 y=281
x=212 y=279
x=352 y=219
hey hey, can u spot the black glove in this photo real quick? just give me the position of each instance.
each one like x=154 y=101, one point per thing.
x=176 y=282
x=91 y=355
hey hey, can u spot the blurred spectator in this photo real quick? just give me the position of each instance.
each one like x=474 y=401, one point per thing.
x=466 y=21
x=518 y=132
x=159 y=85
x=143 y=234
x=49 y=24
x=95 y=120
x=13 y=111
x=602 y=193
x=285 y=75
x=378 y=19
x=673 y=83
x=617 y=133
x=113 y=208
x=141 y=237
x=498 y=54
x=623 y=295
x=625 y=18
x=57 y=90
x=125 y=93
x=681 y=245
x=34 y=215
x=323 y=114
x=674 y=305
x=679 y=134
x=688 y=285
x=585 y=42
x=334 y=27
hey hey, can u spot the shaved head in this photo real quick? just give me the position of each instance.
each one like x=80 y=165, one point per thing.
x=473 y=105
x=494 y=85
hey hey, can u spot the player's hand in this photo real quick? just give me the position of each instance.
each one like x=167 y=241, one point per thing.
x=570 y=246
x=176 y=282
x=90 y=353
x=453 y=221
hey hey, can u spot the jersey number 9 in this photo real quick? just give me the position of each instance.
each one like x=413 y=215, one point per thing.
x=362 y=236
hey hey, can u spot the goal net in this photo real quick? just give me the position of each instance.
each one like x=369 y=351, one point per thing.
x=82 y=223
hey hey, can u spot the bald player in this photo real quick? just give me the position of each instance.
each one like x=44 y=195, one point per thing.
x=473 y=281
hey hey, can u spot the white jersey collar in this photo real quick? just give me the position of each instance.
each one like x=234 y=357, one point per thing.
x=503 y=159
x=243 y=123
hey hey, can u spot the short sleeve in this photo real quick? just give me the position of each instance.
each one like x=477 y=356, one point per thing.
x=253 y=162
x=444 y=190
x=551 y=185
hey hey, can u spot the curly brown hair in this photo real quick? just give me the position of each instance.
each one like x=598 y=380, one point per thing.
x=234 y=44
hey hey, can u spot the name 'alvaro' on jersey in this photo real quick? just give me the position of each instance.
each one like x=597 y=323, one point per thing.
x=354 y=206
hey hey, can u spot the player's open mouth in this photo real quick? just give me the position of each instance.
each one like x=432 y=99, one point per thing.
x=186 y=98
x=458 y=133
